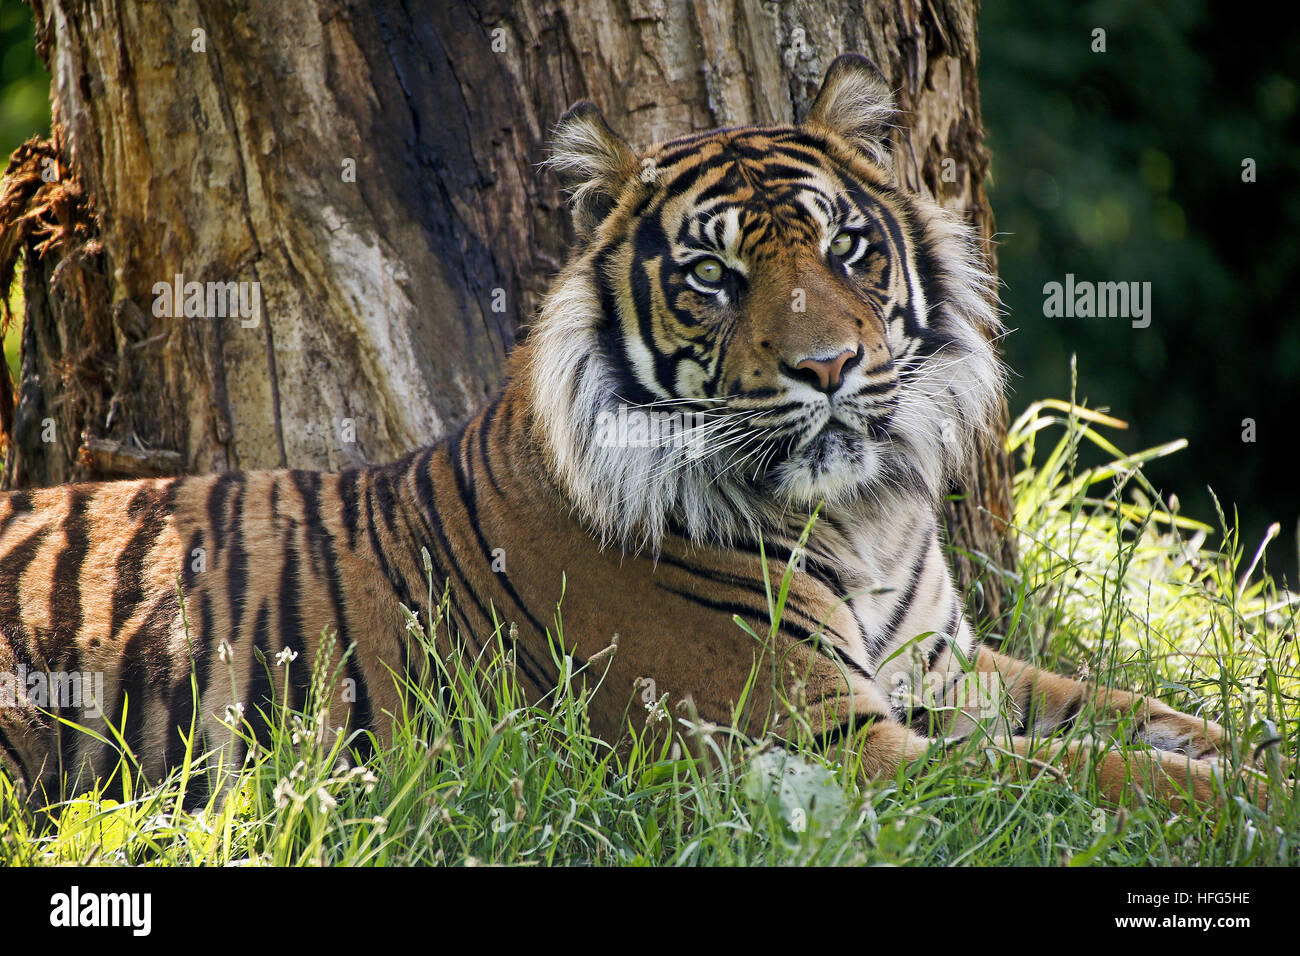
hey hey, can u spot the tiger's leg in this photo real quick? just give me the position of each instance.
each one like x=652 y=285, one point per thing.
x=1175 y=779
x=1044 y=702
x=882 y=745
x=1177 y=765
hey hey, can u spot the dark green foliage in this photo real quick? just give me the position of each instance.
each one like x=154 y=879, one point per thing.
x=24 y=84
x=1126 y=165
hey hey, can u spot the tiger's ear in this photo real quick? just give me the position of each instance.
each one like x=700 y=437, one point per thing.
x=593 y=164
x=855 y=103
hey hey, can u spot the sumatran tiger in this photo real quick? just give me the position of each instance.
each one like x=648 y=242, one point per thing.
x=757 y=324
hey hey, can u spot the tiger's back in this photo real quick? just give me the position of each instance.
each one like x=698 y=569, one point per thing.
x=118 y=599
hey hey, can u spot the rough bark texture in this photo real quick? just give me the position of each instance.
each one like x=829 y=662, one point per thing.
x=388 y=302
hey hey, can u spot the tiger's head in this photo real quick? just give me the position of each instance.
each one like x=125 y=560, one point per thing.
x=758 y=320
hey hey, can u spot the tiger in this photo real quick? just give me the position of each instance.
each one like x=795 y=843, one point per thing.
x=762 y=349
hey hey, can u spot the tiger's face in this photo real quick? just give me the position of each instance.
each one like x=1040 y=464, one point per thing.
x=799 y=329
x=771 y=291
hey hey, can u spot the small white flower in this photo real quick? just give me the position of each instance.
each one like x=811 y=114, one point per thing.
x=380 y=823
x=234 y=713
x=368 y=779
x=285 y=655
x=223 y=651
x=327 y=802
x=657 y=711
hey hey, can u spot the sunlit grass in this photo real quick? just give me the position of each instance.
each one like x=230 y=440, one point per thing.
x=13 y=332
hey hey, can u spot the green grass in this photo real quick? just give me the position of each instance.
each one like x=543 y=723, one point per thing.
x=1112 y=584
x=13 y=330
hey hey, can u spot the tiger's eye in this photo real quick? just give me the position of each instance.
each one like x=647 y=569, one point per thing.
x=709 y=270
x=842 y=244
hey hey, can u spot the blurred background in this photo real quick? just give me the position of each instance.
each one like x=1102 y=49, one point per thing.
x=1127 y=166
x=24 y=108
x=1115 y=166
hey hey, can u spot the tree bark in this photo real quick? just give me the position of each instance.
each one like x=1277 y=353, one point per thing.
x=374 y=169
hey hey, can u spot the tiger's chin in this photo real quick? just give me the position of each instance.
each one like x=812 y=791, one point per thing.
x=834 y=467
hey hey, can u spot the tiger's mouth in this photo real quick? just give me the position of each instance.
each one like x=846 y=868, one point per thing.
x=840 y=431
x=832 y=441
x=829 y=461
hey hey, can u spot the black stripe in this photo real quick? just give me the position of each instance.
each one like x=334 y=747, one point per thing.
x=380 y=494
x=12 y=565
x=800 y=634
x=260 y=697
x=486 y=420
x=426 y=510
x=361 y=710
x=291 y=628
x=351 y=507
x=198 y=791
x=128 y=588
x=613 y=345
x=421 y=605
x=236 y=565
x=1029 y=708
x=132 y=681
x=879 y=642
x=684 y=181
x=188 y=572
x=650 y=242
x=20 y=503
x=835 y=735
x=1071 y=713
x=70 y=663
x=65 y=596
x=217 y=496
x=380 y=487
x=181 y=716
x=757 y=588
x=461 y=589
x=470 y=502
x=921 y=721
x=946 y=637
x=321 y=542
x=186 y=709
x=147 y=652
x=202 y=647
x=140 y=502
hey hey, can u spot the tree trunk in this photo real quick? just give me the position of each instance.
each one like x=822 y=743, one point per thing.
x=375 y=172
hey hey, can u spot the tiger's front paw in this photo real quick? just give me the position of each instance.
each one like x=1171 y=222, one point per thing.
x=1176 y=732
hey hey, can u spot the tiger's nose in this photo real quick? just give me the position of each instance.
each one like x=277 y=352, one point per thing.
x=827 y=374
